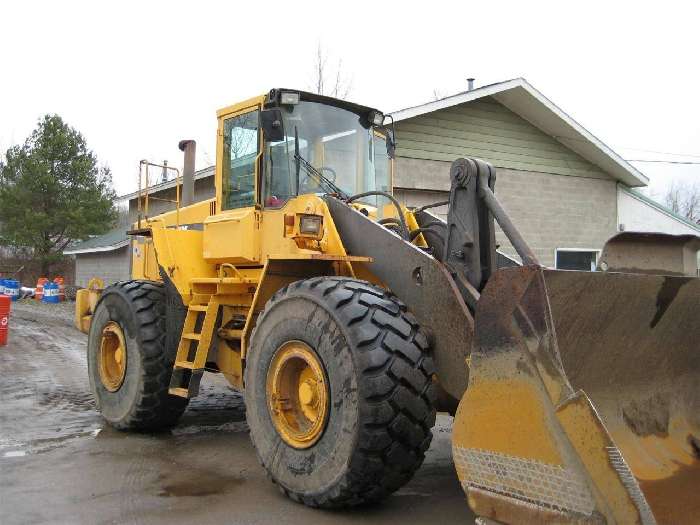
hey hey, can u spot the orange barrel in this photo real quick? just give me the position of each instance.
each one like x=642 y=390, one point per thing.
x=61 y=288
x=39 y=292
x=4 y=318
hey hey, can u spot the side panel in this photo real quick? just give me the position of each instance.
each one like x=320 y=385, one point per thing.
x=143 y=259
x=179 y=254
x=233 y=237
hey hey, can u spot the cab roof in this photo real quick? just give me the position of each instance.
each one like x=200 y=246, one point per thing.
x=269 y=100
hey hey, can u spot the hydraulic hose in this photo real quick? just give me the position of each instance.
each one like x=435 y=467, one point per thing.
x=401 y=218
x=433 y=205
x=426 y=228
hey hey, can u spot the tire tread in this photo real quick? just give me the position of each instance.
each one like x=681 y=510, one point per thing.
x=154 y=408
x=396 y=384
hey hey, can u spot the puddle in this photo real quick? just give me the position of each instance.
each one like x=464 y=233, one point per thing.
x=14 y=454
x=234 y=426
x=198 y=485
x=39 y=446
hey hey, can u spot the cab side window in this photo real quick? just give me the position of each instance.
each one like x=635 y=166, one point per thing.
x=240 y=153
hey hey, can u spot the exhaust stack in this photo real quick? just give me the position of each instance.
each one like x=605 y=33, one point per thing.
x=189 y=147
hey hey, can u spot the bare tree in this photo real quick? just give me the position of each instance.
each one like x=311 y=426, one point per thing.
x=242 y=139
x=692 y=204
x=684 y=199
x=326 y=81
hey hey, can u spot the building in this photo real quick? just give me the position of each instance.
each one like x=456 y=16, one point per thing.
x=105 y=256
x=564 y=188
x=638 y=213
x=557 y=180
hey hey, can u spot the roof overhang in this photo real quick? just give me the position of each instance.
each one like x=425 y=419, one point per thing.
x=199 y=174
x=98 y=249
x=524 y=100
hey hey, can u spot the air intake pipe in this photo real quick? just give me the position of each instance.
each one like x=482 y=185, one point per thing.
x=189 y=147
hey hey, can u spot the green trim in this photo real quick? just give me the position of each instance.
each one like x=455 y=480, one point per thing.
x=100 y=242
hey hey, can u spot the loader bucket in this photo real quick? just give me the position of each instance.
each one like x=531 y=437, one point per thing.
x=583 y=403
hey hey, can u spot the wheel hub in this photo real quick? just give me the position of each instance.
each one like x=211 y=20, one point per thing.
x=112 y=356
x=297 y=393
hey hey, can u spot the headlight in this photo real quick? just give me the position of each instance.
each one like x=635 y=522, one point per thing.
x=376 y=118
x=310 y=224
x=289 y=98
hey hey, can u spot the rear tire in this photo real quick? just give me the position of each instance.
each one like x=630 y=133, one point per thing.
x=141 y=401
x=381 y=393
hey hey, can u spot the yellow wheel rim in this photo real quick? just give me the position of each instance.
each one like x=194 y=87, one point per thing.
x=297 y=394
x=112 y=356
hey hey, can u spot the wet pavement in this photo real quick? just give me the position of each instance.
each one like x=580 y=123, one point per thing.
x=59 y=463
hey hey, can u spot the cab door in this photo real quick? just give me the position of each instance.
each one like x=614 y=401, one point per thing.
x=233 y=234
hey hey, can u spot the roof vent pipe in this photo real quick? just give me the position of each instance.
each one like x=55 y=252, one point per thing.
x=190 y=148
x=470 y=84
x=164 y=176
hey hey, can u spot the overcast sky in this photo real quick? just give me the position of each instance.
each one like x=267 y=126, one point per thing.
x=136 y=77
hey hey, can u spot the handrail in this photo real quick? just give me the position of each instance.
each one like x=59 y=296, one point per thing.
x=236 y=271
x=143 y=192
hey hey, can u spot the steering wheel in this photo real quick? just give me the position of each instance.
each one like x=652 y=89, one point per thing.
x=309 y=184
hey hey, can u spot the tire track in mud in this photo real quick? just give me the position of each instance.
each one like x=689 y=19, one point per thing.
x=46 y=394
x=44 y=386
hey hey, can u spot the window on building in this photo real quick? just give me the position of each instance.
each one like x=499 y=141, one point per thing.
x=574 y=259
x=240 y=154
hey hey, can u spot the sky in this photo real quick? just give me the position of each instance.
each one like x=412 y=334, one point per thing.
x=136 y=77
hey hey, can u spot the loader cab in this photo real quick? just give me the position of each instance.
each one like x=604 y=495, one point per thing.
x=290 y=143
x=273 y=148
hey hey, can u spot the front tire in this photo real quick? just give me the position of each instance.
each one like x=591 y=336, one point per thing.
x=380 y=405
x=129 y=361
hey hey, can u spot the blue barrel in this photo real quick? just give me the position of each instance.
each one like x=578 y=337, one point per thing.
x=50 y=293
x=12 y=289
x=2 y=286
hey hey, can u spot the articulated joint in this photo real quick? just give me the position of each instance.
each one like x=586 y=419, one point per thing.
x=463 y=170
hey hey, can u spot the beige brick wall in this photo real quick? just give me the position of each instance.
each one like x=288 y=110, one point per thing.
x=551 y=211
x=109 y=266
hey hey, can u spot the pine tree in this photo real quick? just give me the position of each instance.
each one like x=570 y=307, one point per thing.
x=52 y=192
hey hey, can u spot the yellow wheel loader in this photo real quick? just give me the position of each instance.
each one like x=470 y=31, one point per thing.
x=348 y=320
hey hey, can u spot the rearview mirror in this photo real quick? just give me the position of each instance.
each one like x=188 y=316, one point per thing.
x=271 y=122
x=390 y=145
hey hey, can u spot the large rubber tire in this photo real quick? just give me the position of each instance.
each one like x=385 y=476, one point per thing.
x=381 y=391
x=142 y=402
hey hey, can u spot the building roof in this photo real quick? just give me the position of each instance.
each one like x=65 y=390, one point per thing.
x=523 y=99
x=660 y=207
x=110 y=241
x=117 y=238
x=199 y=174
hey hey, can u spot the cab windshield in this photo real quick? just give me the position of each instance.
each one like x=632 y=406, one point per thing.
x=335 y=144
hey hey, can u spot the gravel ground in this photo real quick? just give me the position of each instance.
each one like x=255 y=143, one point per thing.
x=59 y=462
